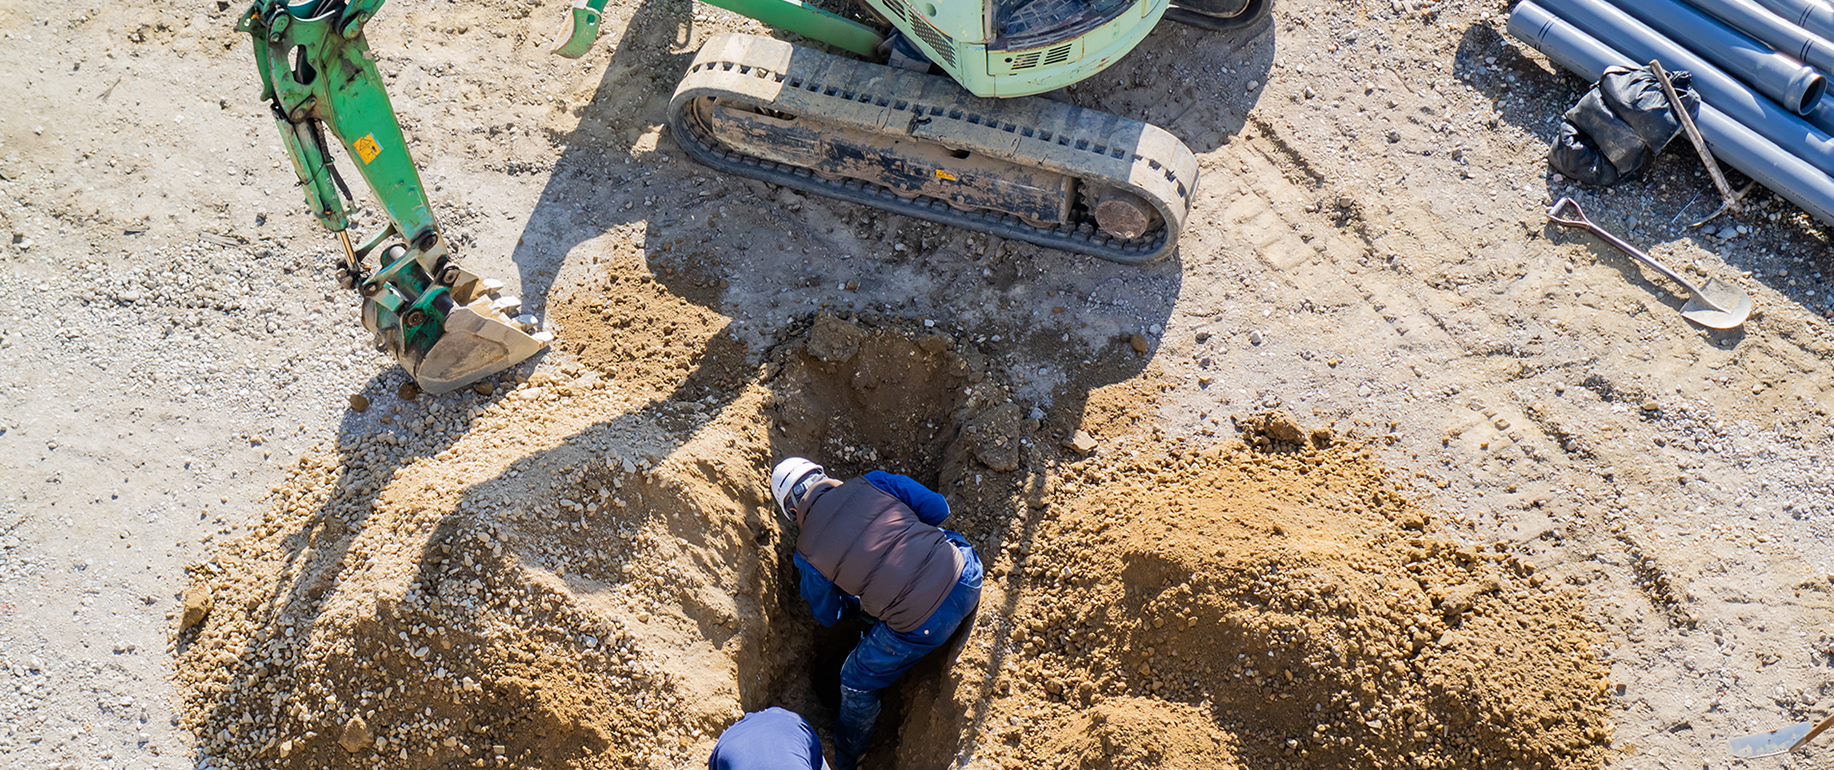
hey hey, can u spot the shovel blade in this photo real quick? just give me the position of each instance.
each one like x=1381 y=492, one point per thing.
x=1718 y=306
x=1773 y=742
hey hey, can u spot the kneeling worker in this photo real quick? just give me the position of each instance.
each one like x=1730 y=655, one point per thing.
x=772 y=739
x=873 y=544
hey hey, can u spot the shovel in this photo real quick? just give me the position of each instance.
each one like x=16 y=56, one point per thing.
x=1781 y=741
x=1715 y=306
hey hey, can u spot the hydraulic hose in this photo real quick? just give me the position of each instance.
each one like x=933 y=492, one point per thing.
x=1737 y=145
x=1791 y=83
x=1734 y=99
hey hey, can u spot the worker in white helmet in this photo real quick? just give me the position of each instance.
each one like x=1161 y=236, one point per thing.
x=875 y=545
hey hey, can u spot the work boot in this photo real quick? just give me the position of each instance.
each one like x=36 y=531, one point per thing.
x=853 y=726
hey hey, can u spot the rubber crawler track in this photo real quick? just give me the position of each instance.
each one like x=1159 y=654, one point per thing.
x=1089 y=145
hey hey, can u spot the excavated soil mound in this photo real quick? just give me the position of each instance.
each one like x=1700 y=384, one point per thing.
x=1234 y=607
x=1125 y=733
x=582 y=570
x=516 y=600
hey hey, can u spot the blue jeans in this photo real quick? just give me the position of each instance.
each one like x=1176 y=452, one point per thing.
x=883 y=655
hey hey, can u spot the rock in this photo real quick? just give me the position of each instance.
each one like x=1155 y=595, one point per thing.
x=1255 y=337
x=356 y=735
x=484 y=388
x=358 y=402
x=408 y=391
x=1081 y=443
x=834 y=340
x=1139 y=342
x=197 y=605
x=994 y=436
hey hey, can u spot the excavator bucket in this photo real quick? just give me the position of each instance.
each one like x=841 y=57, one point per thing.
x=446 y=337
x=476 y=341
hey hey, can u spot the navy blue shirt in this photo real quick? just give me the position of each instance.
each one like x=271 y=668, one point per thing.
x=828 y=602
x=772 y=739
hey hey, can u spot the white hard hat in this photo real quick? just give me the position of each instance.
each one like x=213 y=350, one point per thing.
x=787 y=475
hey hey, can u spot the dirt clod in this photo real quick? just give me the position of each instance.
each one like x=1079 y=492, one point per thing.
x=355 y=736
x=1081 y=443
x=408 y=391
x=359 y=402
x=995 y=436
x=1276 y=426
x=197 y=605
x=833 y=340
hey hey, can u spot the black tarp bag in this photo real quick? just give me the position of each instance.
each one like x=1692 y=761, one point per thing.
x=1622 y=122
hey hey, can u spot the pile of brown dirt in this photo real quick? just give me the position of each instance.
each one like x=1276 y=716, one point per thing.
x=583 y=571
x=552 y=591
x=1296 y=606
x=579 y=570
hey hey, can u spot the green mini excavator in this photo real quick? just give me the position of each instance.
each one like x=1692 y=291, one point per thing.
x=875 y=127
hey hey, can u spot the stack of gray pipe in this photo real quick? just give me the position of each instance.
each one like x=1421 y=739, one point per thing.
x=1758 y=67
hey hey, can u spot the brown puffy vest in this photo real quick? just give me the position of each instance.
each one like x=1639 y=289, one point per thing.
x=873 y=546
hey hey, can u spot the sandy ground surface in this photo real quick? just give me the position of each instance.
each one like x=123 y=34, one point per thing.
x=1367 y=253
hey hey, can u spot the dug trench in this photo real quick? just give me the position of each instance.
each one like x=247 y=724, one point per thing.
x=618 y=589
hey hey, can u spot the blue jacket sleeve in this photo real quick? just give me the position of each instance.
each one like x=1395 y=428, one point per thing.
x=826 y=601
x=930 y=506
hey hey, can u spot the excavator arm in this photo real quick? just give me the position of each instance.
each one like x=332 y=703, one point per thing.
x=442 y=323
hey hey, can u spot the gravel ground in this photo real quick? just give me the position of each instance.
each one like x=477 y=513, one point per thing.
x=1368 y=250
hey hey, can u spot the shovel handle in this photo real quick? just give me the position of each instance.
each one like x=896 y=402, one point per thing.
x=1579 y=220
x=1819 y=728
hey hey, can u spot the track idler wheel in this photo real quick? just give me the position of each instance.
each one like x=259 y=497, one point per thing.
x=1120 y=213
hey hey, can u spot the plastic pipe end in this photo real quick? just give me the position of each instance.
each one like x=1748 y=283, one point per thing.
x=1805 y=91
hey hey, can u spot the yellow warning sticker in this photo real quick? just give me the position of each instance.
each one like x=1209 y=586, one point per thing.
x=941 y=174
x=367 y=149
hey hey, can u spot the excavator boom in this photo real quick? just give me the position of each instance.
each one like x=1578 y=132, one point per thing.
x=445 y=325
